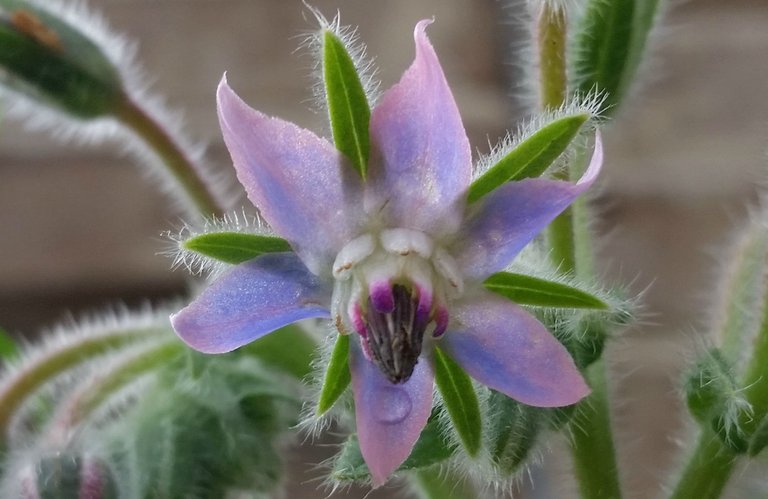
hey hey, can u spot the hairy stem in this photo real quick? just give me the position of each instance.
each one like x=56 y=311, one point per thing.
x=89 y=397
x=176 y=160
x=570 y=250
x=35 y=373
x=708 y=469
x=594 y=457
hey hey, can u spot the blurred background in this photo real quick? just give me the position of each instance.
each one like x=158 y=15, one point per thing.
x=81 y=229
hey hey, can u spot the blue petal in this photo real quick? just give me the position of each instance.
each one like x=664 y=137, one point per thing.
x=251 y=300
x=504 y=221
x=300 y=183
x=389 y=417
x=420 y=158
x=505 y=348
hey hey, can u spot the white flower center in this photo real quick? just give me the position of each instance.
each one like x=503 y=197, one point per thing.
x=391 y=287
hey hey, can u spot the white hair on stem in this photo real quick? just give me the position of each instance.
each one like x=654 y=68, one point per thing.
x=65 y=128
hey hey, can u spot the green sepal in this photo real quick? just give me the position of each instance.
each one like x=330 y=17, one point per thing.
x=337 y=375
x=759 y=438
x=708 y=385
x=513 y=430
x=348 y=107
x=531 y=157
x=50 y=60
x=609 y=44
x=289 y=349
x=8 y=347
x=431 y=448
x=731 y=434
x=529 y=290
x=460 y=401
x=234 y=247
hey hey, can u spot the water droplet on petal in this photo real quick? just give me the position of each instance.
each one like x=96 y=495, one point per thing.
x=392 y=406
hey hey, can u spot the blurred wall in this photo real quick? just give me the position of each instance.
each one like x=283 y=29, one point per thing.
x=81 y=229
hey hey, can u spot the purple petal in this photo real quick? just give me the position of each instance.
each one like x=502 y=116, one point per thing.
x=503 y=222
x=299 y=181
x=251 y=300
x=421 y=161
x=504 y=347
x=389 y=417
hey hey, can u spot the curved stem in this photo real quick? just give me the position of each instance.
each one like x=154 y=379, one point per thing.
x=89 y=397
x=175 y=159
x=35 y=373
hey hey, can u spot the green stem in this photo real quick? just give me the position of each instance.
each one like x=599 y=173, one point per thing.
x=592 y=446
x=594 y=457
x=90 y=397
x=36 y=373
x=712 y=463
x=707 y=471
x=553 y=86
x=552 y=68
x=170 y=153
x=431 y=484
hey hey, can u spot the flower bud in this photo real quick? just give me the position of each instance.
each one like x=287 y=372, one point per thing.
x=47 y=59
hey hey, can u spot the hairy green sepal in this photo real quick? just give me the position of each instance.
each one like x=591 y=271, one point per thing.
x=347 y=103
x=337 y=375
x=460 y=401
x=513 y=428
x=528 y=290
x=531 y=157
x=51 y=61
x=235 y=247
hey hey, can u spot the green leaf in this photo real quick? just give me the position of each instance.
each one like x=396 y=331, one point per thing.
x=235 y=247
x=528 y=290
x=431 y=485
x=430 y=449
x=609 y=45
x=531 y=157
x=289 y=348
x=460 y=400
x=50 y=60
x=347 y=103
x=513 y=430
x=8 y=347
x=337 y=375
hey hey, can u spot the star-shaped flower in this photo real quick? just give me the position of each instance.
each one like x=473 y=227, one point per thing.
x=397 y=259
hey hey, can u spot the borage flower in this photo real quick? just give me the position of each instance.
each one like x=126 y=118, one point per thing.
x=397 y=259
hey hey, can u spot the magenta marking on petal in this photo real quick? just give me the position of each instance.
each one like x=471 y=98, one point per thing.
x=420 y=156
x=356 y=316
x=382 y=299
x=441 y=322
x=424 y=307
x=507 y=349
x=389 y=417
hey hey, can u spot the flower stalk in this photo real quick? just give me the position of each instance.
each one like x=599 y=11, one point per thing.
x=36 y=373
x=176 y=160
x=592 y=445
